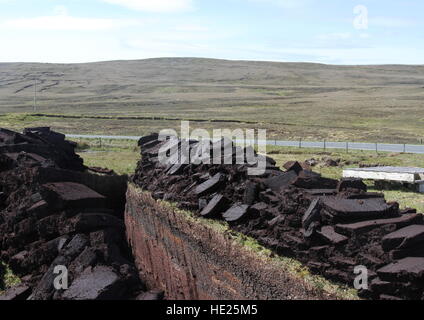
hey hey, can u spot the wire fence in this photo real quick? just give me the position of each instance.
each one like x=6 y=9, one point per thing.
x=377 y=147
x=347 y=146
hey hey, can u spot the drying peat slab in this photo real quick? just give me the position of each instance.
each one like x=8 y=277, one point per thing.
x=331 y=226
x=53 y=212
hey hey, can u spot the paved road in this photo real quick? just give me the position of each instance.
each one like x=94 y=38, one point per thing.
x=409 y=148
x=90 y=136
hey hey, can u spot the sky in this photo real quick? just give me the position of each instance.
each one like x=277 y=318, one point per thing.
x=322 y=31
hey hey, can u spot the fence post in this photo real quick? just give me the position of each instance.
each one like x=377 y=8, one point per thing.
x=325 y=146
x=376 y=148
x=404 y=148
x=347 y=147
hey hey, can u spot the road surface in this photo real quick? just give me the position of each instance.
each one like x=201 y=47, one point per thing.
x=384 y=147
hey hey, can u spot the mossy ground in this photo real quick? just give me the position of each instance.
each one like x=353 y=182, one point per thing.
x=7 y=278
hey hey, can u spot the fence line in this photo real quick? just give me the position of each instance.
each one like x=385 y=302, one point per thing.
x=377 y=147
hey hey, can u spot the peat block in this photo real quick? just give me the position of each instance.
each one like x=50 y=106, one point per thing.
x=351 y=183
x=54 y=212
x=152 y=295
x=281 y=181
x=215 y=206
x=72 y=195
x=330 y=225
x=311 y=180
x=89 y=222
x=348 y=210
x=146 y=139
x=19 y=292
x=321 y=192
x=365 y=226
x=407 y=269
x=236 y=213
x=99 y=283
x=404 y=238
x=312 y=214
x=330 y=236
x=293 y=166
x=251 y=193
x=175 y=169
x=416 y=251
x=210 y=185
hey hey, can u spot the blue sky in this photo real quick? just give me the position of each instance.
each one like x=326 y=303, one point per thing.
x=325 y=31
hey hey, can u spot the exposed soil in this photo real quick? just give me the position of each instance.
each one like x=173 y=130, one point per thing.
x=54 y=212
x=331 y=226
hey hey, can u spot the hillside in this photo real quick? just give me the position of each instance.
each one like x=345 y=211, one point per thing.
x=291 y=100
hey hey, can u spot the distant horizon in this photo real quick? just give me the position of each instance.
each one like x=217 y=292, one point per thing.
x=334 y=32
x=218 y=59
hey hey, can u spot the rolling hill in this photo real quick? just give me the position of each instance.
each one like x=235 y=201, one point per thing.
x=291 y=100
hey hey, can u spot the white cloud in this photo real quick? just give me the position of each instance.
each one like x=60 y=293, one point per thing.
x=335 y=36
x=343 y=56
x=191 y=28
x=287 y=4
x=154 y=5
x=61 y=21
x=61 y=11
x=390 y=22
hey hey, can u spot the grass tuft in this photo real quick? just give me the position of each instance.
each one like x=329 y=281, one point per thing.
x=7 y=278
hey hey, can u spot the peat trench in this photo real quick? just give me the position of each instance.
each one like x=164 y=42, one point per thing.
x=54 y=211
x=330 y=226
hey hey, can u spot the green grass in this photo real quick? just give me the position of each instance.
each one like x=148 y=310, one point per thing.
x=122 y=162
x=121 y=156
x=7 y=278
x=252 y=117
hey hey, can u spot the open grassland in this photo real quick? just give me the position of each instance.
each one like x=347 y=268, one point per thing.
x=291 y=100
x=119 y=155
